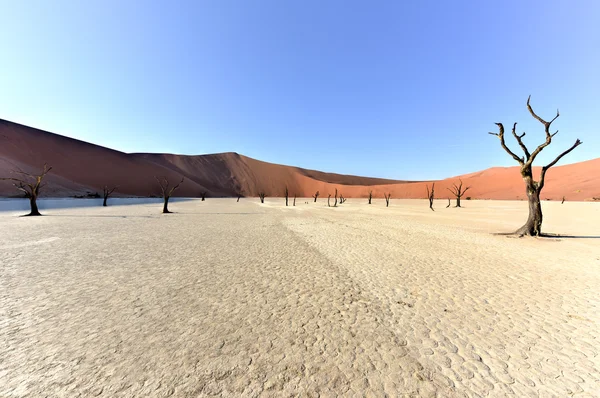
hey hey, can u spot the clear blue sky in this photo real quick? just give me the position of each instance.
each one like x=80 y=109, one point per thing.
x=397 y=89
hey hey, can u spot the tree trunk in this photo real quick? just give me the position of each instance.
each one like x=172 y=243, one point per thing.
x=457 y=201
x=533 y=226
x=34 y=208
x=104 y=202
x=165 y=206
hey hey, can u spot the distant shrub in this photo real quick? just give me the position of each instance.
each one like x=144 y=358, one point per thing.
x=468 y=198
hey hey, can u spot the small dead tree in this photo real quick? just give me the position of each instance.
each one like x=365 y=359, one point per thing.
x=563 y=200
x=342 y=199
x=30 y=185
x=202 y=196
x=166 y=192
x=370 y=196
x=262 y=195
x=430 y=195
x=328 y=199
x=387 y=199
x=533 y=225
x=106 y=193
x=286 y=195
x=458 y=191
x=316 y=195
x=448 y=203
x=239 y=195
x=335 y=203
x=294 y=199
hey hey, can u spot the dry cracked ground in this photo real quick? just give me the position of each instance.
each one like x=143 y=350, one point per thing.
x=243 y=300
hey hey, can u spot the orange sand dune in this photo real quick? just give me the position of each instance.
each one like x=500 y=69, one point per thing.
x=80 y=167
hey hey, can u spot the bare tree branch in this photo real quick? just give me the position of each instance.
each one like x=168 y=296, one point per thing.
x=500 y=135
x=545 y=168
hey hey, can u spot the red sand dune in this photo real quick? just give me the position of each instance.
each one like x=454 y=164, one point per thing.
x=80 y=167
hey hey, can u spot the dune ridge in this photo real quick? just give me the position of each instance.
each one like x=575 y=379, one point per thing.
x=80 y=167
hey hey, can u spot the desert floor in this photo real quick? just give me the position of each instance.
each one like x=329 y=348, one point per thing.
x=243 y=299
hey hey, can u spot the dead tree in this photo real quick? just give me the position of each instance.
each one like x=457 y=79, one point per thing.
x=261 y=195
x=430 y=195
x=342 y=199
x=239 y=195
x=370 y=196
x=458 y=191
x=30 y=185
x=106 y=193
x=202 y=196
x=387 y=199
x=286 y=195
x=448 y=203
x=294 y=199
x=335 y=203
x=563 y=200
x=328 y=199
x=533 y=225
x=316 y=195
x=166 y=192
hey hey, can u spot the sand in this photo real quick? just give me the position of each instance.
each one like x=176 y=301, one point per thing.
x=80 y=167
x=243 y=299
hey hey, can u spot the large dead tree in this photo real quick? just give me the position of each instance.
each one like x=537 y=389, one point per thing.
x=106 y=193
x=387 y=199
x=458 y=191
x=30 y=185
x=370 y=196
x=316 y=195
x=533 y=225
x=286 y=195
x=262 y=195
x=430 y=195
x=166 y=191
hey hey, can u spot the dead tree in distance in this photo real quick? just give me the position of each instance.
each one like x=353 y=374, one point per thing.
x=430 y=195
x=328 y=199
x=261 y=195
x=335 y=203
x=294 y=199
x=202 y=196
x=166 y=192
x=563 y=200
x=286 y=195
x=387 y=199
x=533 y=225
x=370 y=196
x=30 y=184
x=458 y=191
x=448 y=203
x=106 y=193
x=316 y=195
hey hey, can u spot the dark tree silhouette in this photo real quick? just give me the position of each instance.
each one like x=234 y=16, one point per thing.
x=262 y=195
x=106 y=193
x=430 y=195
x=370 y=196
x=448 y=203
x=166 y=192
x=335 y=203
x=316 y=195
x=202 y=196
x=458 y=191
x=387 y=199
x=30 y=185
x=342 y=199
x=286 y=195
x=533 y=225
x=328 y=199
x=294 y=199
x=563 y=200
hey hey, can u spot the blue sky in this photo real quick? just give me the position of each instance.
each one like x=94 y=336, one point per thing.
x=394 y=89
